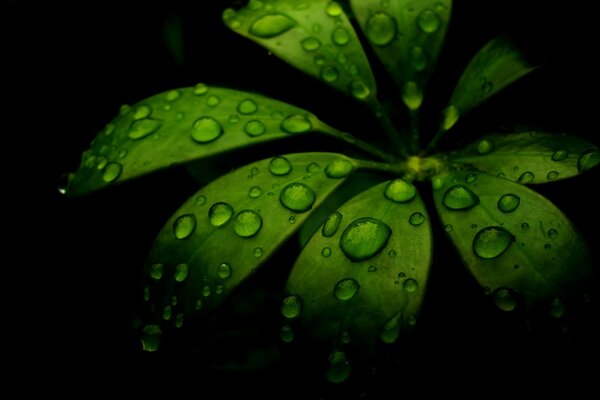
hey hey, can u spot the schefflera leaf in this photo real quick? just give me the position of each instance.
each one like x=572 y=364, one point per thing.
x=529 y=157
x=182 y=125
x=363 y=274
x=231 y=227
x=517 y=244
x=407 y=36
x=313 y=36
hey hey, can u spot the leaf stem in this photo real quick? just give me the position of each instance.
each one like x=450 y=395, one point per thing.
x=434 y=142
x=396 y=138
x=393 y=169
x=414 y=131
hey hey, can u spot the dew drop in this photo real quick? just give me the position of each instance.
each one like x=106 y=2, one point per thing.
x=448 y=228
x=224 y=271
x=247 y=223
x=296 y=124
x=142 y=128
x=109 y=129
x=552 y=175
x=410 y=285
x=167 y=313
x=146 y=293
x=213 y=101
x=219 y=214
x=247 y=107
x=485 y=147
x=416 y=219
x=372 y=268
x=319 y=60
x=271 y=25
x=219 y=289
x=280 y=166
x=234 y=119
x=428 y=21
x=156 y=271
x=198 y=305
x=181 y=272
x=331 y=224
x=258 y=252
x=391 y=254
x=588 y=160
x=201 y=200
x=525 y=226
x=206 y=291
x=254 y=128
x=437 y=183
x=381 y=29
x=200 y=89
x=557 y=308
x=141 y=112
x=206 y=129
x=390 y=331
x=526 y=177
x=329 y=74
x=364 y=238
x=547 y=246
x=291 y=306
x=400 y=191
x=339 y=367
x=286 y=334
x=111 y=172
x=346 y=289
x=505 y=299
x=412 y=95
x=450 y=115
x=255 y=192
x=508 y=202
x=326 y=252
x=334 y=9
x=359 y=90
x=552 y=233
x=339 y=169
x=179 y=320
x=313 y=167
x=151 y=337
x=559 y=155
x=418 y=58
x=184 y=226
x=470 y=178
x=292 y=219
x=492 y=242
x=173 y=95
x=340 y=36
x=297 y=197
x=310 y=44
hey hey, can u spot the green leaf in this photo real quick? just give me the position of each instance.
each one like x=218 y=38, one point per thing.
x=231 y=227
x=498 y=64
x=315 y=37
x=407 y=35
x=367 y=275
x=182 y=125
x=529 y=157
x=517 y=244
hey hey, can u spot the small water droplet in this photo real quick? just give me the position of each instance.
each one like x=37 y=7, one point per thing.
x=487 y=87
x=547 y=246
x=156 y=271
x=258 y=252
x=224 y=271
x=179 y=320
x=508 y=202
x=247 y=107
x=291 y=306
x=213 y=101
x=201 y=200
x=219 y=289
x=381 y=29
x=124 y=109
x=200 y=89
x=391 y=254
x=167 y=313
x=372 y=268
x=296 y=124
x=345 y=339
x=255 y=5
x=485 y=146
x=559 y=155
x=310 y=44
x=329 y=74
x=416 y=219
x=254 y=171
x=470 y=178
x=146 y=293
x=286 y=334
x=198 y=305
x=111 y=172
x=526 y=177
x=340 y=36
x=346 y=289
x=364 y=238
x=331 y=224
x=184 y=226
x=557 y=308
x=142 y=128
x=297 y=197
x=552 y=233
x=292 y=219
x=271 y=25
x=234 y=119
x=219 y=214
x=525 y=226
x=334 y=9
x=313 y=167
x=448 y=228
x=255 y=192
x=505 y=299
x=412 y=95
x=410 y=285
x=492 y=242
x=109 y=129
x=254 y=128
x=390 y=331
x=339 y=367
x=428 y=21
x=400 y=191
x=326 y=252
x=359 y=90
x=141 y=112
x=552 y=175
x=206 y=129
x=206 y=291
x=151 y=337
x=280 y=166
x=459 y=197
x=418 y=58
x=319 y=60
x=437 y=183
x=588 y=160
x=450 y=115
x=339 y=169
x=247 y=223
x=122 y=153
x=181 y=272
x=173 y=95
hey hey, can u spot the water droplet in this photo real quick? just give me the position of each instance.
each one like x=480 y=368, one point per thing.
x=297 y=197
x=286 y=334
x=146 y=293
x=345 y=337
x=505 y=299
x=346 y=289
x=173 y=95
x=313 y=167
x=437 y=183
x=184 y=226
x=400 y=191
x=255 y=5
x=111 y=172
x=470 y=178
x=254 y=171
x=280 y=166
x=552 y=233
x=296 y=124
x=254 y=128
x=224 y=271
x=271 y=25
x=122 y=153
x=213 y=101
x=167 y=313
x=340 y=36
x=247 y=223
x=109 y=129
x=339 y=169
x=552 y=175
x=372 y=268
x=526 y=177
x=258 y=252
x=206 y=291
x=492 y=242
x=391 y=254
x=412 y=95
x=381 y=29
x=141 y=112
x=418 y=58
x=410 y=285
x=198 y=304
x=557 y=308
x=326 y=252
x=390 y=332
x=124 y=109
x=486 y=87
x=142 y=128
x=334 y=9
x=310 y=43
x=219 y=289
x=234 y=119
x=332 y=224
x=247 y=106
x=416 y=219
x=525 y=226
x=179 y=320
x=364 y=238
x=292 y=219
x=339 y=367
x=428 y=21
x=448 y=228
x=588 y=160
x=200 y=89
x=459 y=197
x=255 y=192
x=291 y=306
x=201 y=200
x=547 y=246
x=156 y=271
x=206 y=129
x=559 y=155
x=219 y=214
x=181 y=272
x=359 y=90
x=450 y=115
x=329 y=74
x=485 y=147
x=319 y=60
x=151 y=337
x=508 y=202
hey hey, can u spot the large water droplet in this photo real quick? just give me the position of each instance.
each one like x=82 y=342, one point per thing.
x=247 y=107
x=247 y=223
x=418 y=58
x=552 y=175
x=381 y=29
x=181 y=272
x=559 y=155
x=254 y=128
x=206 y=129
x=296 y=124
x=141 y=112
x=151 y=337
x=156 y=271
x=508 y=202
x=339 y=367
x=200 y=89
x=416 y=219
x=364 y=238
x=291 y=306
x=412 y=95
x=339 y=169
x=390 y=332
x=346 y=289
x=492 y=241
x=184 y=226
x=588 y=160
x=459 y=197
x=111 y=172
x=332 y=224
x=450 y=115
x=329 y=74
x=310 y=43
x=219 y=214
x=297 y=197
x=334 y=9
x=359 y=90
x=224 y=271
x=286 y=334
x=428 y=21
x=400 y=191
x=485 y=146
x=142 y=128
x=526 y=177
x=280 y=166
x=505 y=299
x=410 y=285
x=340 y=36
x=271 y=25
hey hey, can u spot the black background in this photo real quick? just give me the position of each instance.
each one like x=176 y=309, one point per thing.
x=75 y=289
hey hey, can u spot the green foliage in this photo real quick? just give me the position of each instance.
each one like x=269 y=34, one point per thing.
x=362 y=273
